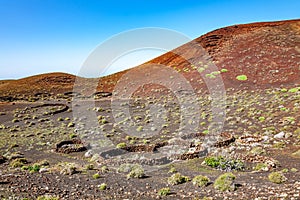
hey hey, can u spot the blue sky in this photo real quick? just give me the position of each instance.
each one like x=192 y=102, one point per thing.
x=39 y=36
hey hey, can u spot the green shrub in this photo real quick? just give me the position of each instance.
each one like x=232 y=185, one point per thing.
x=200 y=69
x=212 y=161
x=34 y=168
x=200 y=181
x=15 y=120
x=47 y=198
x=136 y=172
x=125 y=168
x=89 y=167
x=257 y=151
x=104 y=169
x=283 y=90
x=96 y=176
x=133 y=170
x=242 y=77
x=67 y=168
x=72 y=135
x=71 y=125
x=277 y=177
x=294 y=90
x=177 y=178
x=210 y=76
x=224 y=70
x=279 y=145
x=294 y=170
x=222 y=163
x=140 y=128
x=121 y=145
x=261 y=167
x=103 y=186
x=164 y=191
x=225 y=182
x=172 y=170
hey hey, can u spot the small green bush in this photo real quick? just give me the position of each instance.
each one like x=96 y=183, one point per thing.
x=34 y=168
x=277 y=177
x=136 y=172
x=261 y=167
x=172 y=170
x=177 y=178
x=71 y=124
x=89 y=167
x=96 y=176
x=283 y=90
x=285 y=170
x=104 y=169
x=103 y=186
x=47 y=198
x=210 y=76
x=72 y=135
x=225 y=182
x=294 y=90
x=257 y=151
x=294 y=170
x=164 y=191
x=140 y=128
x=242 y=77
x=121 y=145
x=222 y=163
x=126 y=168
x=200 y=181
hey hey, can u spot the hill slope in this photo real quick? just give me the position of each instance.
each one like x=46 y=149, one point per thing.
x=268 y=53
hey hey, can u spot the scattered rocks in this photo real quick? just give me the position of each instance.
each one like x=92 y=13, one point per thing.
x=88 y=154
x=279 y=135
x=44 y=170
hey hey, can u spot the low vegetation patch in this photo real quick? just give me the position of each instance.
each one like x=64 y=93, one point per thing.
x=47 y=198
x=225 y=182
x=133 y=170
x=103 y=186
x=222 y=163
x=121 y=145
x=164 y=191
x=200 y=181
x=177 y=178
x=96 y=176
x=242 y=77
x=136 y=172
x=277 y=177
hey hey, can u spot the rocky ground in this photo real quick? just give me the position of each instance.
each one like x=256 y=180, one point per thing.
x=262 y=135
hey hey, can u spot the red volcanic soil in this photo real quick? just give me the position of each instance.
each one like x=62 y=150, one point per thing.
x=267 y=53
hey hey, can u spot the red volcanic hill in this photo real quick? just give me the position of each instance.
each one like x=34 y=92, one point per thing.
x=268 y=53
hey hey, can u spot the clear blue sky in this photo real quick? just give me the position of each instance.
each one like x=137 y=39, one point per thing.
x=38 y=36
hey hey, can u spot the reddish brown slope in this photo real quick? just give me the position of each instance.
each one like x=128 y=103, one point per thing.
x=268 y=53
